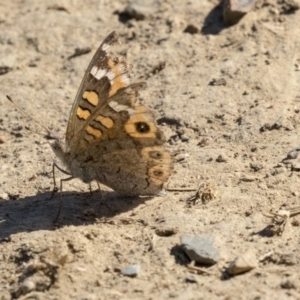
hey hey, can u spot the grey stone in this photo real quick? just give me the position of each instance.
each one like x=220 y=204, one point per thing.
x=277 y=171
x=200 y=248
x=293 y=154
x=131 y=270
x=140 y=9
x=222 y=158
x=234 y=10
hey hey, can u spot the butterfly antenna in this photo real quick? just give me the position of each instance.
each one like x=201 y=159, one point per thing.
x=29 y=129
x=49 y=133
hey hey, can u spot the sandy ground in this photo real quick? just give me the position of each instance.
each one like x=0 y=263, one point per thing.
x=233 y=134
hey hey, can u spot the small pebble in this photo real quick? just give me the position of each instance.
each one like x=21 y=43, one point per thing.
x=256 y=166
x=89 y=212
x=27 y=286
x=4 y=196
x=243 y=263
x=192 y=29
x=4 y=70
x=140 y=9
x=131 y=270
x=200 y=248
x=221 y=158
x=289 y=126
x=293 y=154
x=191 y=278
x=166 y=231
x=288 y=284
x=296 y=167
x=184 y=138
x=218 y=82
x=248 y=178
x=277 y=171
x=234 y=10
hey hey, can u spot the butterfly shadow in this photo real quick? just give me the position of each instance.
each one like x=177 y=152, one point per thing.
x=39 y=212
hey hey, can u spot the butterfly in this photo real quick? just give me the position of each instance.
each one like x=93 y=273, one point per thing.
x=110 y=137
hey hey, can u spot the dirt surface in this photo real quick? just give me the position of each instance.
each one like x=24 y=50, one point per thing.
x=228 y=100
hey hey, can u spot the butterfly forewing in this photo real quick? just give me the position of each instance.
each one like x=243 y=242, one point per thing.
x=102 y=73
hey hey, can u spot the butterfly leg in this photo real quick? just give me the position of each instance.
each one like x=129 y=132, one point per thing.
x=101 y=195
x=55 y=189
x=99 y=187
x=90 y=187
x=61 y=200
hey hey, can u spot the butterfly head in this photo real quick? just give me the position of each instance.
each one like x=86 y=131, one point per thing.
x=60 y=149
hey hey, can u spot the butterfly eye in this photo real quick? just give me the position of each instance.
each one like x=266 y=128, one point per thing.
x=142 y=127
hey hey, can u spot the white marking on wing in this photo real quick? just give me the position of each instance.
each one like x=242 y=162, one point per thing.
x=94 y=70
x=111 y=75
x=100 y=73
x=97 y=73
x=105 y=46
x=125 y=78
x=119 y=107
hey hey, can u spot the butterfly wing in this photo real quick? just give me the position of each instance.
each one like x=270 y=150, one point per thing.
x=112 y=138
x=95 y=83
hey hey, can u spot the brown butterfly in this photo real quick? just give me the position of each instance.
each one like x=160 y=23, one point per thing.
x=110 y=138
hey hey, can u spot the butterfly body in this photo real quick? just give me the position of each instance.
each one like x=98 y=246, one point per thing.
x=110 y=138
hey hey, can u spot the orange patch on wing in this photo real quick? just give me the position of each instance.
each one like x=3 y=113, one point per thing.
x=131 y=127
x=96 y=133
x=91 y=97
x=118 y=80
x=105 y=121
x=82 y=113
x=159 y=174
x=157 y=155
